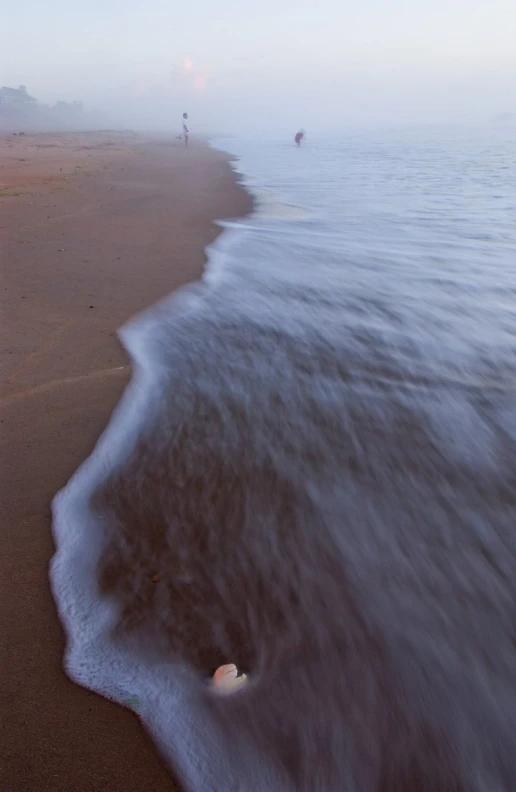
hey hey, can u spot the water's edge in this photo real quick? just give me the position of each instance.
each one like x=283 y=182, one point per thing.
x=194 y=749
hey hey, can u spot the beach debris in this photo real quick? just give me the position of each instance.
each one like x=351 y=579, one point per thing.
x=61 y=250
x=226 y=679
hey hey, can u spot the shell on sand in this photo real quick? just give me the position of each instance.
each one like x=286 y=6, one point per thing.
x=226 y=679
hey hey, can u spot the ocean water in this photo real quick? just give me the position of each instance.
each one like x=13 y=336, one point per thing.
x=313 y=474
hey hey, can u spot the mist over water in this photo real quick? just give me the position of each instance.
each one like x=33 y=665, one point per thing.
x=267 y=68
x=313 y=475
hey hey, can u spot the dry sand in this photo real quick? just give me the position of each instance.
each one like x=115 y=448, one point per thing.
x=93 y=227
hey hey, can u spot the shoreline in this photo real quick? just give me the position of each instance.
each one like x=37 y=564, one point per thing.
x=95 y=228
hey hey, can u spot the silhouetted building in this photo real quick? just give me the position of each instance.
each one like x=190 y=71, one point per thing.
x=10 y=97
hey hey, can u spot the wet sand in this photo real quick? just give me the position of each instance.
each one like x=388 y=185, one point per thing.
x=93 y=228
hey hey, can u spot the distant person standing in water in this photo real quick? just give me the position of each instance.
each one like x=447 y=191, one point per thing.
x=299 y=137
x=186 y=131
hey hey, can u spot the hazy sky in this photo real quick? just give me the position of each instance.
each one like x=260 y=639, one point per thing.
x=271 y=65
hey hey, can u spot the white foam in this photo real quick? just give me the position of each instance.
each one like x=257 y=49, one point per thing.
x=167 y=698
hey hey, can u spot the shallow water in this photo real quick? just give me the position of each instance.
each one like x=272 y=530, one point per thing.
x=313 y=475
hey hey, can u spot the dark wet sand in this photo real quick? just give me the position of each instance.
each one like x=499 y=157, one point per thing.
x=122 y=224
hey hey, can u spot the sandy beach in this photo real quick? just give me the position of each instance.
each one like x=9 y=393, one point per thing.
x=93 y=227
